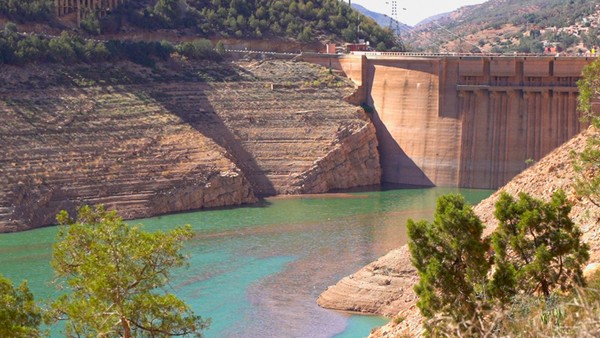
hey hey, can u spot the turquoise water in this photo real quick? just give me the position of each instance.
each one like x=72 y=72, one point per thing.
x=257 y=271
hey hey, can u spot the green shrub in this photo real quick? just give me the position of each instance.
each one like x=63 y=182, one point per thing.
x=536 y=250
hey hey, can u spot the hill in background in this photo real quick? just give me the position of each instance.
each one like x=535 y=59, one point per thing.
x=297 y=20
x=507 y=26
x=383 y=20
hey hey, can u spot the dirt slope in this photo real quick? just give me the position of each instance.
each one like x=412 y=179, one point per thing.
x=386 y=286
x=179 y=136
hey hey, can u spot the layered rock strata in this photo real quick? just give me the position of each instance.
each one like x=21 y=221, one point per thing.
x=63 y=148
x=176 y=137
x=385 y=286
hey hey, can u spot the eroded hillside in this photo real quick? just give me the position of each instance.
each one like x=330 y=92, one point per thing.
x=385 y=286
x=175 y=137
x=507 y=26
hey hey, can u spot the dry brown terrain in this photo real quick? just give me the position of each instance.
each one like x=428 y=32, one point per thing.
x=179 y=136
x=386 y=286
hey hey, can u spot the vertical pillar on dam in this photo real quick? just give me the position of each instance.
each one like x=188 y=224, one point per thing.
x=493 y=128
x=533 y=110
x=470 y=121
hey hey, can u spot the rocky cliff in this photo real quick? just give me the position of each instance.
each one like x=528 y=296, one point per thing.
x=179 y=136
x=386 y=286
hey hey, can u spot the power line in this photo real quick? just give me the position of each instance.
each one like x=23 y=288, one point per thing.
x=405 y=29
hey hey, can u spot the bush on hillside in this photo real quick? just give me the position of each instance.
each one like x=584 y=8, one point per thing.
x=299 y=19
x=29 y=10
x=537 y=248
x=66 y=48
x=462 y=288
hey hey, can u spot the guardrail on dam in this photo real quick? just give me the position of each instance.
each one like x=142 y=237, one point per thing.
x=466 y=121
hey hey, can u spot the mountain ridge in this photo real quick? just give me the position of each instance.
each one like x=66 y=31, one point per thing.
x=314 y=21
x=506 y=26
x=382 y=19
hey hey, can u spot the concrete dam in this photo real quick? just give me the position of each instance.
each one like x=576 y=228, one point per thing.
x=465 y=121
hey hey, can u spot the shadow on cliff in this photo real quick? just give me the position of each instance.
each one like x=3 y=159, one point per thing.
x=201 y=115
x=397 y=167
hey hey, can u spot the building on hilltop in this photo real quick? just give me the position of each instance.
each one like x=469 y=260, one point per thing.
x=84 y=7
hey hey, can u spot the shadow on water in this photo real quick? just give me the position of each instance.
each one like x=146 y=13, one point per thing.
x=261 y=203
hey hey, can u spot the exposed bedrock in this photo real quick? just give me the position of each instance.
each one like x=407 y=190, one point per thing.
x=382 y=287
x=385 y=286
x=354 y=162
x=174 y=138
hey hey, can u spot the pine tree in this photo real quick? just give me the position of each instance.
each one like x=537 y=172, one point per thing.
x=19 y=314
x=117 y=275
x=587 y=163
x=536 y=249
x=537 y=246
x=449 y=255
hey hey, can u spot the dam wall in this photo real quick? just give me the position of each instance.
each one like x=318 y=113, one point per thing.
x=514 y=110
x=465 y=121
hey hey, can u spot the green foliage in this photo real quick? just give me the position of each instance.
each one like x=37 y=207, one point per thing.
x=117 y=276
x=587 y=163
x=220 y=48
x=66 y=48
x=450 y=258
x=297 y=19
x=537 y=246
x=536 y=249
x=592 y=38
x=167 y=10
x=19 y=314
x=198 y=49
x=29 y=10
x=90 y=23
x=589 y=89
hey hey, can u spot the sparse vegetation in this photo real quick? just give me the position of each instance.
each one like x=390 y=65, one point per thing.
x=574 y=314
x=21 y=49
x=399 y=319
x=463 y=288
x=587 y=163
x=523 y=26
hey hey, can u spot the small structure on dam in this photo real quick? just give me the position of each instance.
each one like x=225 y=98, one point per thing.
x=465 y=121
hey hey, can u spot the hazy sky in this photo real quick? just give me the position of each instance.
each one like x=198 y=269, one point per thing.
x=416 y=10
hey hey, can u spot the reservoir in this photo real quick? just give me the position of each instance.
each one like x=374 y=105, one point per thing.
x=257 y=271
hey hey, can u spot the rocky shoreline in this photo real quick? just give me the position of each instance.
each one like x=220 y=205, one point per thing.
x=385 y=287
x=180 y=136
